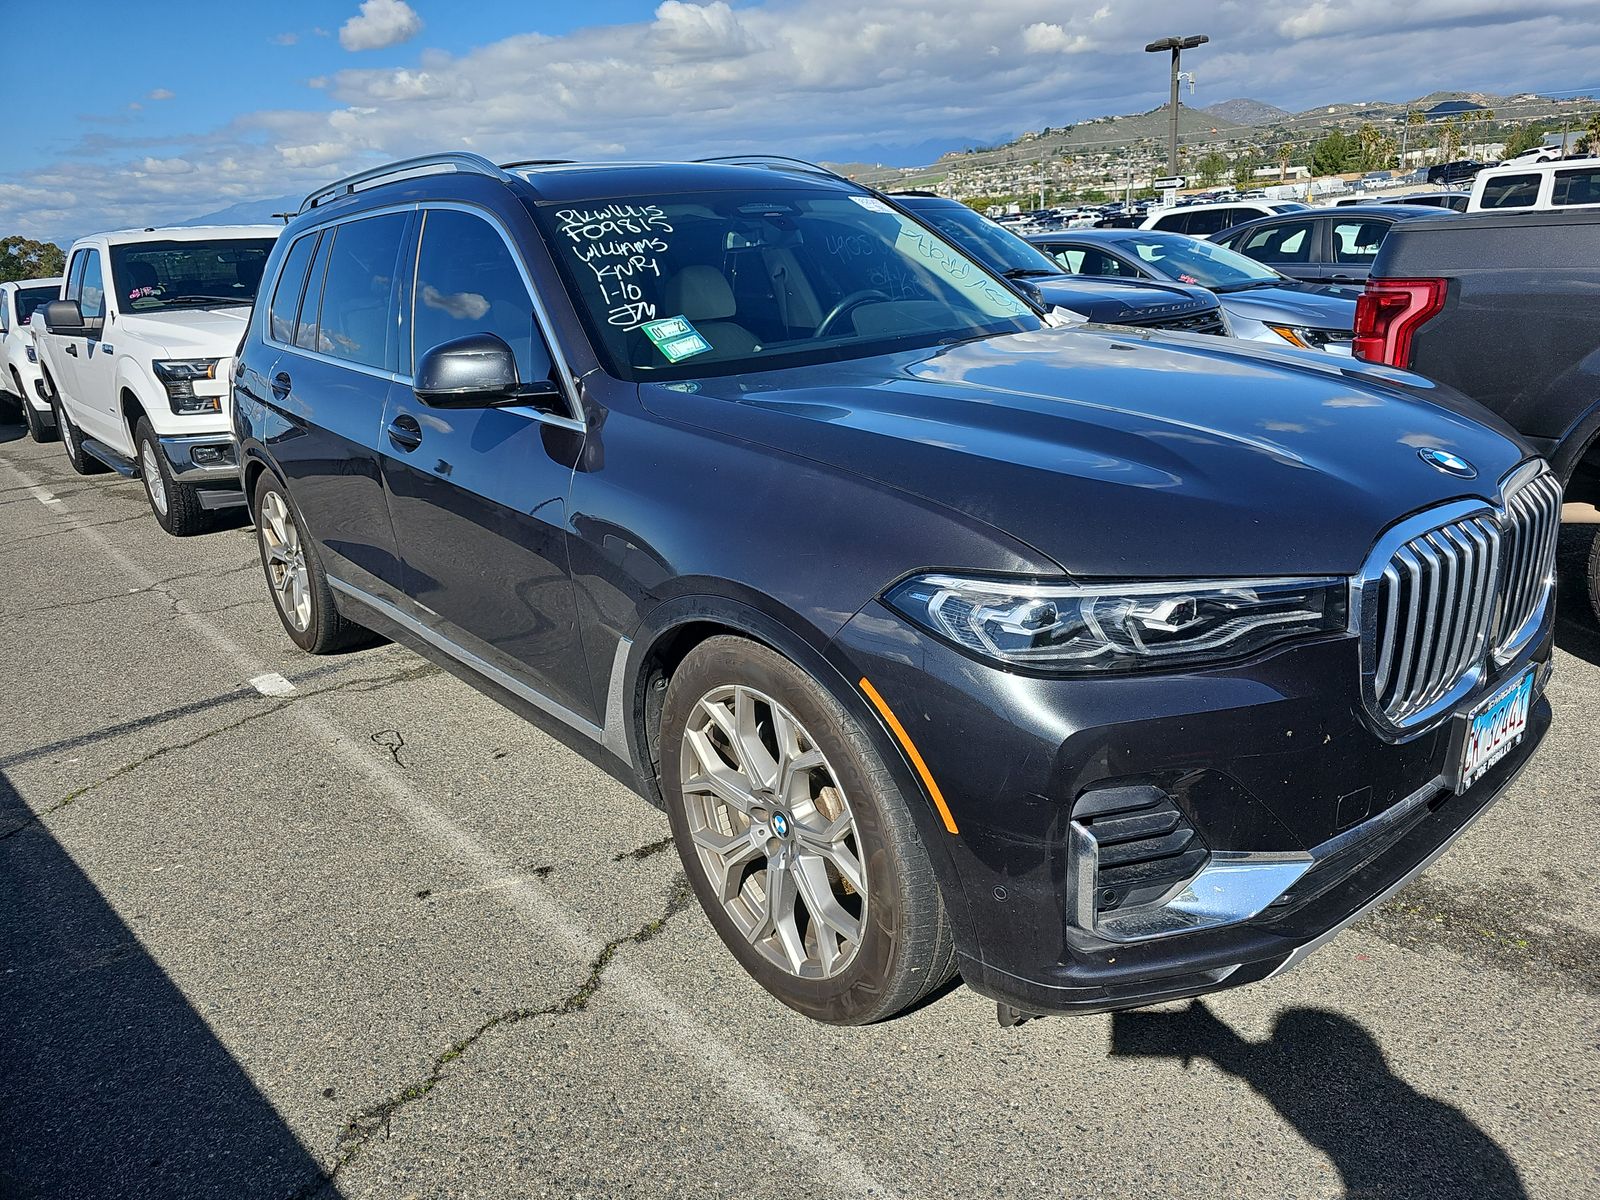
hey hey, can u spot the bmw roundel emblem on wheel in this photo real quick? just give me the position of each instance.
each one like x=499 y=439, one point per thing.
x=1450 y=464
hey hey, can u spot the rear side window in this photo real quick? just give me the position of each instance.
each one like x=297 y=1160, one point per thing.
x=1510 y=191
x=357 y=309
x=1177 y=222
x=1581 y=185
x=291 y=282
x=467 y=282
x=1215 y=220
x=31 y=299
x=1358 y=241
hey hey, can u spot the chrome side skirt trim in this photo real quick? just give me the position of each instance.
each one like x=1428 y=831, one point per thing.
x=468 y=659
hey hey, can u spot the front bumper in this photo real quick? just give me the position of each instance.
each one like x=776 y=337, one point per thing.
x=1309 y=816
x=202 y=458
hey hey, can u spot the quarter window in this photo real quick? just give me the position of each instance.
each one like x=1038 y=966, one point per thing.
x=1175 y=222
x=467 y=282
x=1511 y=191
x=357 y=309
x=291 y=283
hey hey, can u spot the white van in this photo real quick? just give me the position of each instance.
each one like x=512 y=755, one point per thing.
x=1565 y=183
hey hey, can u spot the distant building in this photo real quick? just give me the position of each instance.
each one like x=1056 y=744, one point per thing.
x=1450 y=108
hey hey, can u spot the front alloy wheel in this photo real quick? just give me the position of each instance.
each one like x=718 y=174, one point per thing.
x=773 y=831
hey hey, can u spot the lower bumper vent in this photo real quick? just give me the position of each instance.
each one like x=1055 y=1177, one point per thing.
x=1146 y=845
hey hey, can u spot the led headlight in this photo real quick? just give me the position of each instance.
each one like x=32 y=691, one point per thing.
x=178 y=376
x=1103 y=627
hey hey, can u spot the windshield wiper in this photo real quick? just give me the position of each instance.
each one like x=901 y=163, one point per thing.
x=1026 y=272
x=201 y=301
x=1244 y=287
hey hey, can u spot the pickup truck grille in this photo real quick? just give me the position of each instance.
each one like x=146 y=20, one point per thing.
x=1447 y=596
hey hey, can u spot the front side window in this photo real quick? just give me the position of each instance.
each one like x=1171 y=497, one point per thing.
x=357 y=307
x=93 y=291
x=169 y=276
x=1358 y=241
x=1511 y=191
x=75 y=276
x=291 y=283
x=987 y=241
x=467 y=282
x=716 y=283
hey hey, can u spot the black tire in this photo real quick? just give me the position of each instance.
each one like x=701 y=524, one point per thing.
x=176 y=505
x=38 y=430
x=906 y=949
x=72 y=443
x=326 y=630
x=1594 y=576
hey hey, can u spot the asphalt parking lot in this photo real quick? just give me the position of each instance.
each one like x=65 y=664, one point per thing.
x=282 y=927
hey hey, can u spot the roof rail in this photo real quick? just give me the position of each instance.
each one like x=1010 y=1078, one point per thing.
x=775 y=162
x=536 y=162
x=409 y=168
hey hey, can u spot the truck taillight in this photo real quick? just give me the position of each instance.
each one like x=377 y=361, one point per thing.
x=1389 y=312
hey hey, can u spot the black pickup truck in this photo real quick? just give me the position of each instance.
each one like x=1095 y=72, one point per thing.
x=1505 y=308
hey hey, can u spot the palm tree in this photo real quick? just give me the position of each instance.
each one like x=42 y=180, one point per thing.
x=1591 y=141
x=1285 y=156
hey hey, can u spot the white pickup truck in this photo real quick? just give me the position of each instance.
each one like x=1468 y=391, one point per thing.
x=136 y=357
x=19 y=363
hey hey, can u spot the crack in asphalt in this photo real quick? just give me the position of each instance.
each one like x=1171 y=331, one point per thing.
x=161 y=586
x=76 y=525
x=270 y=706
x=367 y=1124
x=1492 y=930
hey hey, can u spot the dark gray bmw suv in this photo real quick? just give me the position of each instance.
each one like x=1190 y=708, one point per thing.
x=1104 y=665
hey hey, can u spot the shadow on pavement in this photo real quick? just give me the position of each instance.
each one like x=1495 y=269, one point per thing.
x=1577 y=631
x=1327 y=1077
x=111 y=1085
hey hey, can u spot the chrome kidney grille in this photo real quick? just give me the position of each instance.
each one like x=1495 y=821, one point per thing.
x=1448 y=589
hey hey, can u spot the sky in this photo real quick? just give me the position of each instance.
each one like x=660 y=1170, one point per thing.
x=174 y=108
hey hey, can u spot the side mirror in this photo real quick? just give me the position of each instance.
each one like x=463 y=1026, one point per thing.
x=64 y=317
x=476 y=371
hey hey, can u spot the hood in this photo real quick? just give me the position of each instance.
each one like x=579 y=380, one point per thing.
x=1317 y=305
x=1118 y=452
x=1118 y=301
x=190 y=332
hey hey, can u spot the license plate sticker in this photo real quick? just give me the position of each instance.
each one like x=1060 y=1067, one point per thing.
x=1494 y=729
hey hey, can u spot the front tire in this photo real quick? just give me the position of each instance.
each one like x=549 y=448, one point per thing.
x=795 y=839
x=176 y=505
x=1594 y=576
x=295 y=578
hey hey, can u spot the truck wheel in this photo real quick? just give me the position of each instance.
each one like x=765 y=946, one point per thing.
x=72 y=442
x=37 y=429
x=796 y=841
x=176 y=505
x=1594 y=576
x=295 y=577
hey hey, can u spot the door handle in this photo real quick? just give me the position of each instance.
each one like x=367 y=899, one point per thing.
x=72 y=349
x=1342 y=278
x=280 y=385
x=405 y=433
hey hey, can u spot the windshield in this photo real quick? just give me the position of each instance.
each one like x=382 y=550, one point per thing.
x=715 y=283
x=29 y=299
x=162 y=276
x=1189 y=260
x=995 y=246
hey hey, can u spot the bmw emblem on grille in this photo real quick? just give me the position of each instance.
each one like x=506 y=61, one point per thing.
x=780 y=824
x=1450 y=464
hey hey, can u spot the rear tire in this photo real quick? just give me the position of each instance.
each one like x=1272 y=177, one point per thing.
x=295 y=579
x=176 y=505
x=1594 y=577
x=796 y=840
x=72 y=443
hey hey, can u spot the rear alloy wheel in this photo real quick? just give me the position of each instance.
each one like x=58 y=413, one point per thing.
x=176 y=505
x=295 y=577
x=797 y=842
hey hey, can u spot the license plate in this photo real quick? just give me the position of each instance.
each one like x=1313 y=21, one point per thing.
x=1494 y=728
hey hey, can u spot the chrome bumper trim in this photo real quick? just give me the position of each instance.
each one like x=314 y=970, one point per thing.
x=180 y=461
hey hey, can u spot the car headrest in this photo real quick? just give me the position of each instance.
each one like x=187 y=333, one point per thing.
x=142 y=274
x=699 y=293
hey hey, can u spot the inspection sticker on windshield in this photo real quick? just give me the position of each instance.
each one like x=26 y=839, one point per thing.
x=675 y=338
x=872 y=204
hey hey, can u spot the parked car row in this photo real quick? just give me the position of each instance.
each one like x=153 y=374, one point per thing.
x=1105 y=665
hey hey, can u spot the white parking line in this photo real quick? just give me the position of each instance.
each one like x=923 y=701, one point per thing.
x=272 y=684
x=39 y=494
x=663 y=1018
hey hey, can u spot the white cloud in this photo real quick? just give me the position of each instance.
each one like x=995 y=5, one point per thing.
x=166 y=166
x=318 y=154
x=700 y=30
x=285 y=39
x=159 y=94
x=380 y=24
x=1040 y=38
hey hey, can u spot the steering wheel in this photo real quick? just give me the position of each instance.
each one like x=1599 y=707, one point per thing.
x=846 y=303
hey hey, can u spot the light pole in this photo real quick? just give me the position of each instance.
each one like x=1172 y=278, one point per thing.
x=1177 y=46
